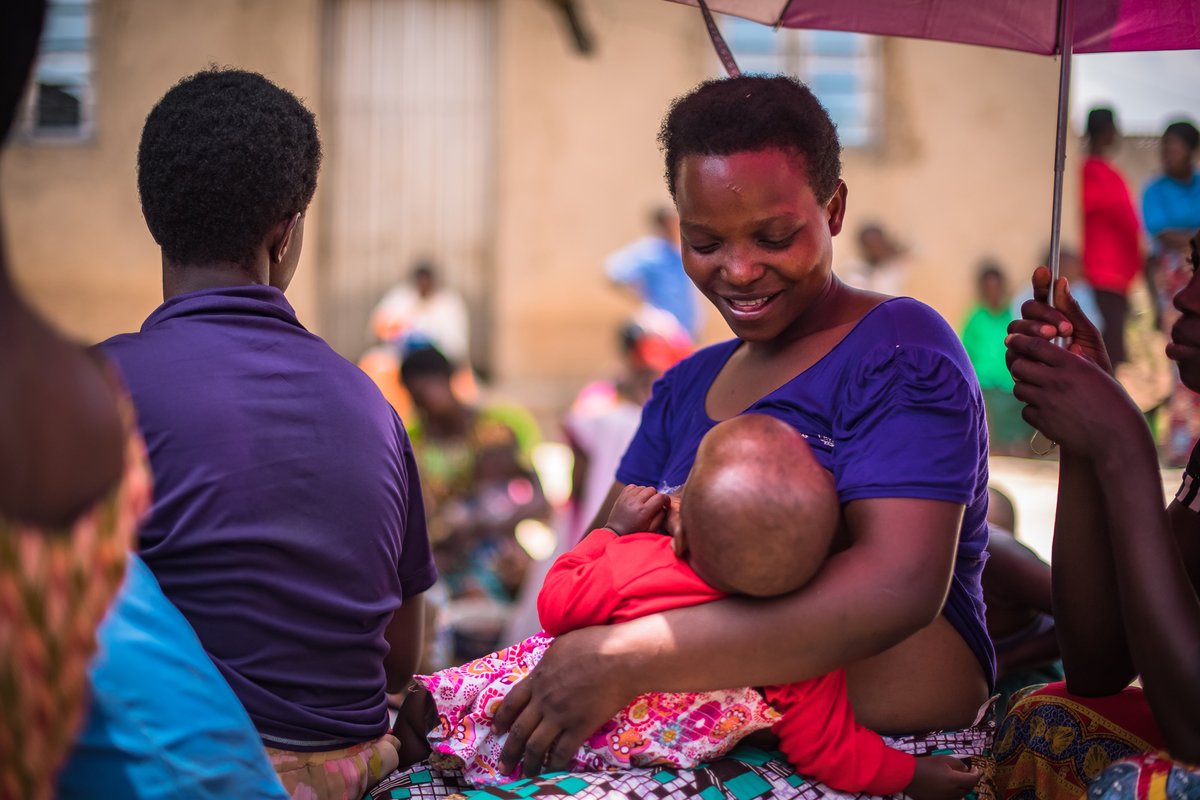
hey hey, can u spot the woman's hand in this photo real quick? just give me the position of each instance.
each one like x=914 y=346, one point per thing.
x=569 y=695
x=1068 y=397
x=1065 y=318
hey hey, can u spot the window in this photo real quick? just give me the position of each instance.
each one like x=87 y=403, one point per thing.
x=60 y=102
x=842 y=69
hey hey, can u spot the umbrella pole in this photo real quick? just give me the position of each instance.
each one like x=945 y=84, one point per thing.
x=1040 y=444
x=1066 y=36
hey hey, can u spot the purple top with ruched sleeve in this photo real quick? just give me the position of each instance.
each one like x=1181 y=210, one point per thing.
x=894 y=410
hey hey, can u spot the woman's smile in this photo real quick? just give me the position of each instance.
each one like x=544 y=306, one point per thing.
x=749 y=308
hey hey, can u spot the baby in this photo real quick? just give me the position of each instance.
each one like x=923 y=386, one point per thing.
x=758 y=516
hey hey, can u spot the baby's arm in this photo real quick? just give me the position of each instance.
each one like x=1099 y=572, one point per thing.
x=578 y=590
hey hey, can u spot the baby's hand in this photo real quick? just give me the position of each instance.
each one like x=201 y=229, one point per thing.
x=638 y=508
x=942 y=778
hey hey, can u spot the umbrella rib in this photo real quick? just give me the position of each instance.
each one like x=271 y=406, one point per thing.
x=783 y=14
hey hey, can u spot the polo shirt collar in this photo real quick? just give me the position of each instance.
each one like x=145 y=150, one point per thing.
x=251 y=300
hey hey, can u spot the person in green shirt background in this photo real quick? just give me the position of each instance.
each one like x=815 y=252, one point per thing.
x=983 y=333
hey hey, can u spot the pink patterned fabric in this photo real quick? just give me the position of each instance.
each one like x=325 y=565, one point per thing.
x=675 y=729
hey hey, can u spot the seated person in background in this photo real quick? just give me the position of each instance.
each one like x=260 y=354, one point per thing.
x=753 y=477
x=1016 y=588
x=478 y=484
x=287 y=523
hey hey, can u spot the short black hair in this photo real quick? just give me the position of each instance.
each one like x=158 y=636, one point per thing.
x=1100 y=120
x=224 y=156
x=988 y=268
x=425 y=362
x=751 y=113
x=20 y=28
x=1185 y=132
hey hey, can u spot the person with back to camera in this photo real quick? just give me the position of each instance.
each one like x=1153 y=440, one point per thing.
x=752 y=473
x=288 y=525
x=1125 y=573
x=889 y=403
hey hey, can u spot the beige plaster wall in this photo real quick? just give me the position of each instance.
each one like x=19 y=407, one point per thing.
x=75 y=231
x=963 y=171
x=579 y=171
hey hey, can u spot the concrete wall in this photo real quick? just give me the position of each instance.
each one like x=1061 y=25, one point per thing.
x=75 y=231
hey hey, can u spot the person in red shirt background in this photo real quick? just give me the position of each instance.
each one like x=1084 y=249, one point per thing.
x=1112 y=247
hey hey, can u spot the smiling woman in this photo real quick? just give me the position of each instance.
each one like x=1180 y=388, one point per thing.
x=883 y=392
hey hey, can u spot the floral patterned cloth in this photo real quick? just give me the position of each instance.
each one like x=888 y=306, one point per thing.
x=55 y=586
x=671 y=729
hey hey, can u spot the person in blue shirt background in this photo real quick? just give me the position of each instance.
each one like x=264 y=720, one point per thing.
x=1171 y=214
x=653 y=267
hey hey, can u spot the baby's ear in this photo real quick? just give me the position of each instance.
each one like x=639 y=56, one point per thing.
x=678 y=539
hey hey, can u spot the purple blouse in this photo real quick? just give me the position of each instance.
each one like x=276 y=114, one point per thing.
x=894 y=410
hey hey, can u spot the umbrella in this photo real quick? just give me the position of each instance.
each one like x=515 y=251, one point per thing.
x=1048 y=27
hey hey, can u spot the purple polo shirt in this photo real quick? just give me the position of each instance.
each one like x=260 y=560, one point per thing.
x=287 y=523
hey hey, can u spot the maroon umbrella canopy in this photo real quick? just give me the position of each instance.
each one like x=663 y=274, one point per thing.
x=1049 y=27
x=1029 y=25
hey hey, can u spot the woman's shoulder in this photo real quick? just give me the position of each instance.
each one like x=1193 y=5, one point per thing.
x=908 y=325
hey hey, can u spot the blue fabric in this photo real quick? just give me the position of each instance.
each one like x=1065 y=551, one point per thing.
x=162 y=723
x=655 y=268
x=1168 y=204
x=287 y=522
x=894 y=410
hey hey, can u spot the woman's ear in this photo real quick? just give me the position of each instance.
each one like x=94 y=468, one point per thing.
x=836 y=208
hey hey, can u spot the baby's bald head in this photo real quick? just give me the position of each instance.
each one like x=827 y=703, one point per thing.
x=759 y=512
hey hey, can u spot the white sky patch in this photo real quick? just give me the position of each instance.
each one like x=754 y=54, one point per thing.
x=1147 y=90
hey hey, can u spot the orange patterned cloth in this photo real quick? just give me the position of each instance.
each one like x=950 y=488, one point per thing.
x=1053 y=745
x=344 y=774
x=55 y=586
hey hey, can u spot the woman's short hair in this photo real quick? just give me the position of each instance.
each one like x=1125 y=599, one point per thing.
x=751 y=113
x=1185 y=132
x=225 y=156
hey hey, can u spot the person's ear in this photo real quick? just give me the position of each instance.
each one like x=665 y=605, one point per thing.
x=836 y=208
x=679 y=541
x=281 y=238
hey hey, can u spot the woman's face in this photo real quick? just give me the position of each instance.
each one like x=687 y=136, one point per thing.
x=755 y=239
x=1185 y=334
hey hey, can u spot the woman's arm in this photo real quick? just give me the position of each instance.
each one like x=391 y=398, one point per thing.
x=891 y=582
x=1161 y=611
x=1087 y=412
x=1087 y=614
x=405 y=635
